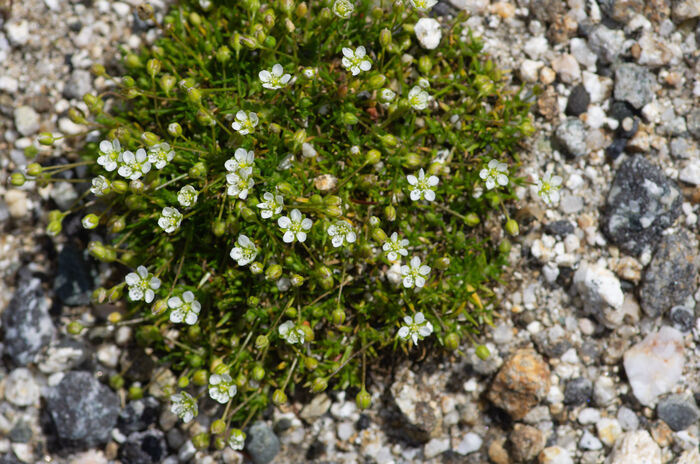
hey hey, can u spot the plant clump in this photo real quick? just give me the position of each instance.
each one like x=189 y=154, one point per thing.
x=292 y=188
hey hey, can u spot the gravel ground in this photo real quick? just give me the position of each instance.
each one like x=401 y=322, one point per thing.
x=594 y=357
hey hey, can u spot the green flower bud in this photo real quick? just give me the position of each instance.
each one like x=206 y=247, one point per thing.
x=205 y=118
x=338 y=316
x=248 y=214
x=46 y=138
x=296 y=280
x=258 y=373
x=127 y=82
x=301 y=10
x=452 y=341
x=310 y=363
x=308 y=332
x=285 y=189
x=119 y=186
x=270 y=42
x=389 y=140
x=319 y=384
x=241 y=380
x=412 y=161
x=385 y=37
x=194 y=96
x=31 y=151
x=377 y=81
x=349 y=119
x=201 y=441
x=75 y=327
x=98 y=70
x=183 y=382
x=76 y=116
x=471 y=219
x=333 y=211
x=482 y=352
x=379 y=235
x=159 y=307
x=220 y=443
x=197 y=171
x=286 y=5
x=363 y=400
x=132 y=61
x=512 y=227
x=218 y=427
x=373 y=156
x=261 y=342
x=153 y=67
x=390 y=213
x=195 y=361
x=144 y=11
x=223 y=54
x=291 y=312
x=135 y=202
x=116 y=381
x=442 y=263
x=200 y=377
x=299 y=137
x=218 y=228
x=269 y=19
x=377 y=13
x=150 y=139
x=279 y=397
x=167 y=82
x=425 y=64
x=54 y=228
x=273 y=272
x=175 y=129
x=195 y=19
x=101 y=252
x=193 y=332
x=17 y=179
x=99 y=295
x=504 y=247
x=90 y=221
x=135 y=393
x=256 y=268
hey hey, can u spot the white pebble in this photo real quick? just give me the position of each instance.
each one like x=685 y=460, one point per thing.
x=469 y=444
x=588 y=416
x=435 y=447
x=20 y=388
x=589 y=442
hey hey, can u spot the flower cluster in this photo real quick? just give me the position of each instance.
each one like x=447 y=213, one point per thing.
x=240 y=173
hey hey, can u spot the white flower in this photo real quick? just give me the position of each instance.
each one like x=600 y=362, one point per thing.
x=160 y=154
x=239 y=186
x=343 y=8
x=142 y=285
x=387 y=95
x=242 y=163
x=422 y=187
x=274 y=78
x=184 y=309
x=291 y=333
x=170 y=219
x=309 y=73
x=356 y=61
x=341 y=232
x=294 y=226
x=221 y=388
x=184 y=406
x=245 y=252
x=414 y=275
x=272 y=205
x=245 y=122
x=237 y=439
x=418 y=98
x=416 y=327
x=548 y=189
x=187 y=196
x=494 y=174
x=111 y=152
x=428 y=32
x=134 y=165
x=100 y=185
x=395 y=247
x=422 y=5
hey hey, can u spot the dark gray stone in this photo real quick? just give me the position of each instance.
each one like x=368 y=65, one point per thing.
x=571 y=136
x=79 y=83
x=669 y=279
x=73 y=283
x=678 y=411
x=620 y=110
x=28 y=328
x=641 y=204
x=138 y=415
x=683 y=318
x=616 y=148
x=20 y=433
x=692 y=121
x=147 y=447
x=578 y=101
x=578 y=391
x=262 y=444
x=634 y=84
x=560 y=228
x=83 y=410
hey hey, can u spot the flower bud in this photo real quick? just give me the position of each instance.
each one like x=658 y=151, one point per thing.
x=251 y=5
x=389 y=140
x=286 y=5
x=183 y=382
x=90 y=221
x=373 y=156
x=135 y=392
x=258 y=373
x=482 y=352
x=199 y=170
x=114 y=317
x=201 y=441
x=308 y=332
x=261 y=342
x=93 y=103
x=289 y=25
x=377 y=81
x=54 y=228
x=46 y=139
x=135 y=202
x=285 y=189
x=167 y=82
x=379 y=235
x=412 y=161
x=76 y=117
x=299 y=138
x=349 y=119
x=153 y=67
x=425 y=64
x=442 y=263
x=301 y=10
x=218 y=427
x=195 y=19
x=99 y=295
x=471 y=219
x=119 y=186
x=149 y=138
x=116 y=382
x=452 y=341
x=385 y=37
x=338 y=316
x=200 y=377
x=205 y=118
x=132 y=61
x=319 y=384
x=333 y=211
x=159 y=307
x=223 y=54
x=269 y=19
x=291 y=312
x=273 y=272
x=256 y=268
x=390 y=213
x=17 y=179
x=75 y=327
x=98 y=70
x=144 y=11
x=512 y=227
x=310 y=363
x=279 y=397
x=363 y=400
x=195 y=361
x=504 y=247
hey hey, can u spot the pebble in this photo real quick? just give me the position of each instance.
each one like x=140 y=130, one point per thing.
x=683 y=318
x=137 y=415
x=567 y=68
x=685 y=9
x=78 y=84
x=684 y=148
x=599 y=88
x=634 y=84
x=522 y=382
x=554 y=455
x=16 y=201
x=529 y=70
x=17 y=32
x=678 y=411
x=526 y=442
x=73 y=283
x=497 y=452
x=691 y=456
x=8 y=84
x=588 y=416
x=570 y=203
x=690 y=173
x=578 y=391
x=420 y=414
x=64 y=194
x=536 y=47
x=435 y=447
x=655 y=365
x=317 y=407
x=604 y=391
x=578 y=101
x=108 y=355
x=627 y=418
x=599 y=288
x=656 y=52
x=608 y=430
x=589 y=442
x=635 y=448
x=583 y=54
x=147 y=447
x=693 y=122
x=262 y=444
x=345 y=430
x=571 y=135
x=606 y=43
x=470 y=443
x=641 y=204
x=21 y=389
x=26 y=120
x=62 y=356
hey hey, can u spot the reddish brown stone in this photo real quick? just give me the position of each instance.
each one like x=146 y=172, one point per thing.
x=521 y=384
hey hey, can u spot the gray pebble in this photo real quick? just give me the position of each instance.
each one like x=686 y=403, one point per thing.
x=26 y=120
x=606 y=43
x=262 y=444
x=634 y=84
x=678 y=411
x=571 y=135
x=578 y=391
x=79 y=83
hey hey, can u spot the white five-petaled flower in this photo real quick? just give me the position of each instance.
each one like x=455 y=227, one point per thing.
x=272 y=205
x=356 y=61
x=428 y=33
x=160 y=154
x=417 y=328
x=421 y=186
x=395 y=247
x=340 y=232
x=237 y=439
x=170 y=219
x=142 y=285
x=415 y=273
x=111 y=152
x=185 y=309
x=294 y=226
x=221 y=388
x=387 y=95
x=100 y=185
x=245 y=122
x=548 y=188
x=239 y=186
x=245 y=252
x=242 y=163
x=422 y=5
x=291 y=333
x=187 y=196
x=184 y=406
x=134 y=165
x=494 y=174
x=418 y=98
x=274 y=78
x=343 y=8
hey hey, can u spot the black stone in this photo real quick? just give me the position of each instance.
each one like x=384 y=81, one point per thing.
x=83 y=410
x=678 y=411
x=316 y=450
x=73 y=283
x=620 y=110
x=262 y=444
x=616 y=148
x=578 y=391
x=578 y=101
x=147 y=447
x=363 y=422
x=641 y=204
x=559 y=229
x=27 y=326
x=138 y=415
x=683 y=318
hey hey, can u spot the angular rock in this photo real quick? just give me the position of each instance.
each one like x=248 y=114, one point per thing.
x=635 y=448
x=26 y=323
x=669 y=279
x=138 y=415
x=634 y=84
x=571 y=135
x=606 y=43
x=526 y=442
x=654 y=365
x=678 y=411
x=691 y=456
x=578 y=391
x=578 y=101
x=73 y=283
x=641 y=204
x=600 y=290
x=521 y=383
x=79 y=83
x=26 y=120
x=419 y=415
x=262 y=444
x=147 y=447
x=62 y=356
x=83 y=410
